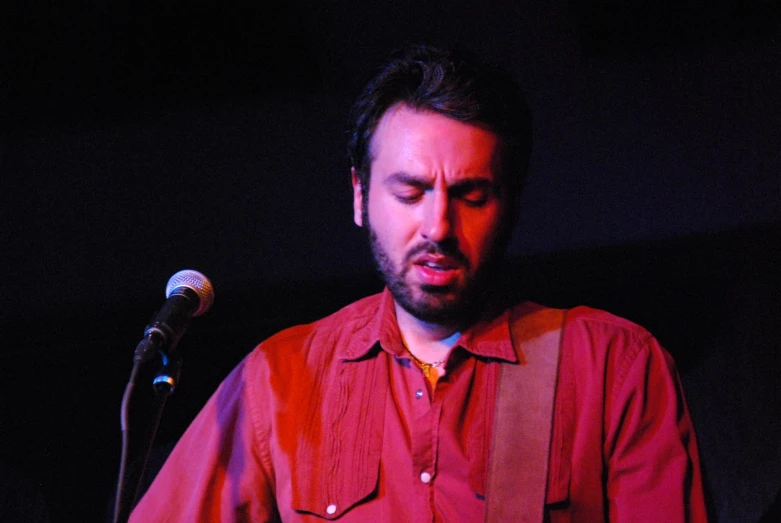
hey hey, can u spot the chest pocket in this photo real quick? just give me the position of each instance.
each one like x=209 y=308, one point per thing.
x=337 y=494
x=338 y=463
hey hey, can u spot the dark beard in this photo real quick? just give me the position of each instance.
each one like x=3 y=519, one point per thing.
x=440 y=305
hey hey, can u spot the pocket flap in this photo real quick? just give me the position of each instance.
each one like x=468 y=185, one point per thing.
x=331 y=498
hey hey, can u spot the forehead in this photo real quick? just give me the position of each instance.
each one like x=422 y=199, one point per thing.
x=426 y=143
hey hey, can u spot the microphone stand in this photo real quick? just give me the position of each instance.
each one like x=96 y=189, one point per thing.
x=164 y=384
x=188 y=294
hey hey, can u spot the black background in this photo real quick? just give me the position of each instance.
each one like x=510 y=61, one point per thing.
x=140 y=139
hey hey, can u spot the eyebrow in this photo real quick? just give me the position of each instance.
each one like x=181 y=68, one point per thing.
x=406 y=178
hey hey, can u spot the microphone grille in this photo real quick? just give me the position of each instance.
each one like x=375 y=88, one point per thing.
x=196 y=281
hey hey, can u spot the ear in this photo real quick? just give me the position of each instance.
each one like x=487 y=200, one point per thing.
x=357 y=198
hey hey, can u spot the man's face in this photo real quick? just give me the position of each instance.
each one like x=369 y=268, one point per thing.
x=433 y=212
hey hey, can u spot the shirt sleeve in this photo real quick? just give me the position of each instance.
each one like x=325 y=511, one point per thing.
x=653 y=469
x=216 y=471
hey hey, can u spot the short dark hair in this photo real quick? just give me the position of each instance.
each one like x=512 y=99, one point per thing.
x=456 y=84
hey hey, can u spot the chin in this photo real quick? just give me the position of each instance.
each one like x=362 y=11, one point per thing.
x=437 y=305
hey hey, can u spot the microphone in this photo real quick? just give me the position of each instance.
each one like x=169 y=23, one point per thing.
x=189 y=294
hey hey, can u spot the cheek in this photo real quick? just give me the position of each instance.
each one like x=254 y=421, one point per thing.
x=479 y=235
x=393 y=223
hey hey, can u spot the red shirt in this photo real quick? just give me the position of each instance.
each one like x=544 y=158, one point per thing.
x=332 y=420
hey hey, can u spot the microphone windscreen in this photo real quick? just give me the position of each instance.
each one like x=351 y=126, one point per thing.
x=196 y=281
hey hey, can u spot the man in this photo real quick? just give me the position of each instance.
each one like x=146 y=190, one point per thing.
x=384 y=411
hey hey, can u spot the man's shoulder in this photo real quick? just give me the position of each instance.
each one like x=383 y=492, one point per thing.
x=579 y=319
x=608 y=340
x=310 y=352
x=584 y=318
x=345 y=321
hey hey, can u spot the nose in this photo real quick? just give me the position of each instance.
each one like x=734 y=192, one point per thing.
x=437 y=223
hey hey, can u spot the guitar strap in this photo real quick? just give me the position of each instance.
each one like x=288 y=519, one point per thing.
x=523 y=420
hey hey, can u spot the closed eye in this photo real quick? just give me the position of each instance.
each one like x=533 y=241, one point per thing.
x=473 y=194
x=409 y=196
x=408 y=189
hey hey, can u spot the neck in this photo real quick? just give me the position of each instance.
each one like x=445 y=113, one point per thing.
x=430 y=341
x=427 y=341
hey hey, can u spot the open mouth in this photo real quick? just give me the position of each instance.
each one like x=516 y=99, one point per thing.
x=437 y=270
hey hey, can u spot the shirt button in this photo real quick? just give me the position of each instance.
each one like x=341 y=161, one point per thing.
x=425 y=477
x=418 y=394
x=331 y=509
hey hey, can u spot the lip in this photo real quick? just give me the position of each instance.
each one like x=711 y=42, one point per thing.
x=436 y=270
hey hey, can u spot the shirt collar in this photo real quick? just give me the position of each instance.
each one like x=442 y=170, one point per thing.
x=489 y=339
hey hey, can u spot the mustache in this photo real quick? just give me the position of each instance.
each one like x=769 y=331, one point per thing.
x=450 y=250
